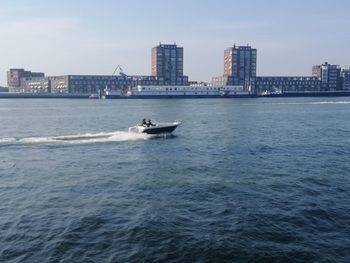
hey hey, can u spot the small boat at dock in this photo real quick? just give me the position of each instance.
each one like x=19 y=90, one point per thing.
x=94 y=96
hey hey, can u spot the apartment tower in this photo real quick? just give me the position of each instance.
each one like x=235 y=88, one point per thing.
x=240 y=63
x=329 y=75
x=167 y=64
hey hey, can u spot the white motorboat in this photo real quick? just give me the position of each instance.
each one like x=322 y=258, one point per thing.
x=155 y=127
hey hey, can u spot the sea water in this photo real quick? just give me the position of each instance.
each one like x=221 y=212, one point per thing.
x=241 y=180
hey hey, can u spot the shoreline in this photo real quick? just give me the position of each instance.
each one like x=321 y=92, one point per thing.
x=8 y=95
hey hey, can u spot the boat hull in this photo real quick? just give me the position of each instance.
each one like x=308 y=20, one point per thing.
x=160 y=130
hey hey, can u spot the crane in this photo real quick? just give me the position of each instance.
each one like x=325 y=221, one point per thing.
x=121 y=72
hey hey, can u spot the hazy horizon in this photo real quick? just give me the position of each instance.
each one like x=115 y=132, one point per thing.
x=90 y=37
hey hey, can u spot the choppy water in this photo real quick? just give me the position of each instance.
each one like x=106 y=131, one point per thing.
x=242 y=180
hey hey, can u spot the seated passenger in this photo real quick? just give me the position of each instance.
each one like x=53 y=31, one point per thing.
x=144 y=123
x=149 y=123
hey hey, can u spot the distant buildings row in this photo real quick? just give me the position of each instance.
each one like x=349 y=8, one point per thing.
x=167 y=69
x=240 y=67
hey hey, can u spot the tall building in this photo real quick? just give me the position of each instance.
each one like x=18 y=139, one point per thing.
x=167 y=65
x=329 y=76
x=239 y=67
x=240 y=63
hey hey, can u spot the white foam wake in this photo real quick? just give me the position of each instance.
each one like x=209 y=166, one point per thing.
x=117 y=136
x=309 y=103
x=7 y=140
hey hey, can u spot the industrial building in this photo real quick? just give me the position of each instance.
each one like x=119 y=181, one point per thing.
x=83 y=84
x=280 y=84
x=16 y=75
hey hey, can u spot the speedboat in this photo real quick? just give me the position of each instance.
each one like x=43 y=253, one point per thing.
x=155 y=127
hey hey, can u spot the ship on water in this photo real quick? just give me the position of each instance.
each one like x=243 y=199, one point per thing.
x=154 y=92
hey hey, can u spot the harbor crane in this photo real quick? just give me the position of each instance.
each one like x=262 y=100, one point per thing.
x=121 y=72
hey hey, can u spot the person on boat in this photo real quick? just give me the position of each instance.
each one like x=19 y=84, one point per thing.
x=143 y=123
x=149 y=123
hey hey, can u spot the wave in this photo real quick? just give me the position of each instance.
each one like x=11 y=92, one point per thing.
x=312 y=103
x=117 y=136
x=304 y=103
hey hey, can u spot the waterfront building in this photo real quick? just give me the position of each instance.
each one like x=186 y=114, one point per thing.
x=329 y=75
x=239 y=67
x=240 y=62
x=137 y=80
x=167 y=65
x=15 y=75
x=90 y=84
x=222 y=80
x=280 y=84
x=3 y=89
x=74 y=84
x=85 y=84
x=35 y=85
x=345 y=77
x=198 y=83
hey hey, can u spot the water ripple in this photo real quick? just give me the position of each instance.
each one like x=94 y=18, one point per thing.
x=243 y=181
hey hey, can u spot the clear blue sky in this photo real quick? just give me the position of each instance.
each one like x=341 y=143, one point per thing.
x=92 y=37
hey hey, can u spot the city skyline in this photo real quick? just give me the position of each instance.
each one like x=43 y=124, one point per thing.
x=85 y=37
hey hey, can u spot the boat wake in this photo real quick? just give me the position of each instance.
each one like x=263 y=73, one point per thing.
x=103 y=137
x=305 y=103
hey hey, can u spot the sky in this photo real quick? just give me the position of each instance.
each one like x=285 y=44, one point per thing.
x=61 y=37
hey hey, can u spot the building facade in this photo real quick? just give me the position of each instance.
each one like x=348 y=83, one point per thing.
x=275 y=84
x=345 y=77
x=15 y=76
x=240 y=64
x=89 y=84
x=83 y=84
x=4 y=89
x=329 y=75
x=167 y=65
x=36 y=82
x=222 y=80
x=35 y=85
